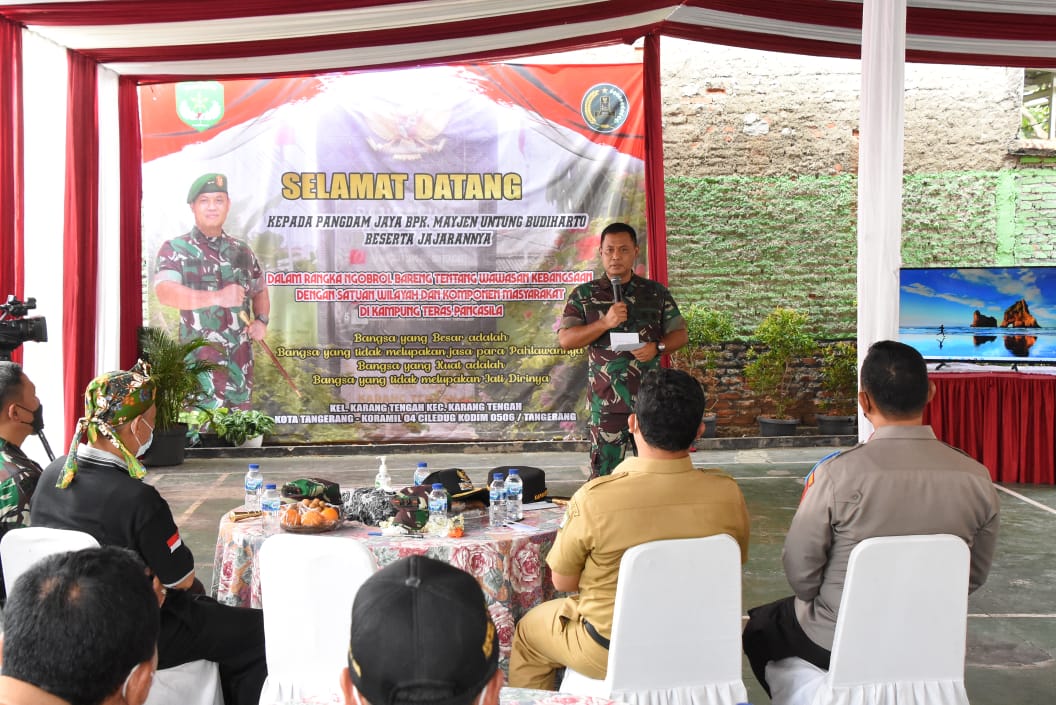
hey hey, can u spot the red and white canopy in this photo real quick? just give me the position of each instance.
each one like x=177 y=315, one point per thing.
x=169 y=39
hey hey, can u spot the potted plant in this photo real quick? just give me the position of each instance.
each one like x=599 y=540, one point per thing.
x=706 y=329
x=839 y=384
x=240 y=427
x=769 y=373
x=175 y=372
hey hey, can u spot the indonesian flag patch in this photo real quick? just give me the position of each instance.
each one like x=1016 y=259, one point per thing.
x=174 y=542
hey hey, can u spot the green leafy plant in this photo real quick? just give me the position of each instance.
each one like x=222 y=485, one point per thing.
x=839 y=378
x=706 y=328
x=175 y=372
x=769 y=373
x=236 y=425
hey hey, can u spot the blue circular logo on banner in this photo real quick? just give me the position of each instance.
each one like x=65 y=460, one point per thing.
x=604 y=107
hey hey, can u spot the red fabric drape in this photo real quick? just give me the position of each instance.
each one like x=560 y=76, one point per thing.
x=12 y=205
x=80 y=234
x=654 y=162
x=1005 y=420
x=131 y=282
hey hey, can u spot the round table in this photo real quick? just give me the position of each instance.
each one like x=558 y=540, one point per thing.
x=509 y=563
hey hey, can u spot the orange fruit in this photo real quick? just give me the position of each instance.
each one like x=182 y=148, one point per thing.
x=291 y=517
x=330 y=514
x=312 y=517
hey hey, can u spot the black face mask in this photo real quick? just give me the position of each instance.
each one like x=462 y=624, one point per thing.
x=37 y=423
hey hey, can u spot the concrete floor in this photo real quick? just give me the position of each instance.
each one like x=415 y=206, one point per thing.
x=1012 y=619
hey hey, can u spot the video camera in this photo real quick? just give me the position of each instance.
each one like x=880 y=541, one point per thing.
x=16 y=329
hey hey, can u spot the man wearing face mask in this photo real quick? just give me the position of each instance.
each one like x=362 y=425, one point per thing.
x=21 y=414
x=97 y=488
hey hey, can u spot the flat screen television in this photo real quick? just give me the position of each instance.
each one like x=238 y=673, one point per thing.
x=992 y=314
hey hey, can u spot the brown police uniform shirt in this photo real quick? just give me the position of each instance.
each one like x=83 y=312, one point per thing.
x=904 y=481
x=643 y=500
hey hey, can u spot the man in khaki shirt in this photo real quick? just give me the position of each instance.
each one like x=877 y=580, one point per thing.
x=902 y=482
x=658 y=495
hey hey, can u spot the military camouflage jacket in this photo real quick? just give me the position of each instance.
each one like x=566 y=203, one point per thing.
x=614 y=377
x=210 y=264
x=18 y=480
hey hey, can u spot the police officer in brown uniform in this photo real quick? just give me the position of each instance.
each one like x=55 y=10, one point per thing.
x=902 y=482
x=657 y=495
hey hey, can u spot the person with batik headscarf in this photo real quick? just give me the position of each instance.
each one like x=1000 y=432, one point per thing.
x=97 y=488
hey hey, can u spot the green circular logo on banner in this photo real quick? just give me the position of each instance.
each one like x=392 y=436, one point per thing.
x=604 y=107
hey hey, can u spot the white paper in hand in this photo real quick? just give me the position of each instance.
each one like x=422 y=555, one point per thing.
x=624 y=342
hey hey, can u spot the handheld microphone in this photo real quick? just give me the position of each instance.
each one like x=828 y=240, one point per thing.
x=617 y=290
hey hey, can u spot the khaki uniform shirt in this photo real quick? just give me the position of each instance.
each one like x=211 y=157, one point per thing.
x=643 y=500
x=903 y=481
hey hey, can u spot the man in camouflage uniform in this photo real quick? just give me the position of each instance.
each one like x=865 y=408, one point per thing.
x=21 y=414
x=644 y=307
x=216 y=282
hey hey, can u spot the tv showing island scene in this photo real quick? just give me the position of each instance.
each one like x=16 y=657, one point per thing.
x=981 y=314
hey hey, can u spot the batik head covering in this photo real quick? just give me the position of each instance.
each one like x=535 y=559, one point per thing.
x=112 y=399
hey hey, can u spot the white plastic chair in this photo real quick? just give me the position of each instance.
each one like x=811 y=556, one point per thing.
x=901 y=630
x=21 y=548
x=676 y=634
x=307 y=586
x=194 y=683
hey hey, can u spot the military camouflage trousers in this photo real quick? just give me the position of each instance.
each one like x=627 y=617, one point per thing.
x=609 y=443
x=231 y=384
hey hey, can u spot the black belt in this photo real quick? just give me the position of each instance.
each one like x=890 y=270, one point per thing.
x=598 y=638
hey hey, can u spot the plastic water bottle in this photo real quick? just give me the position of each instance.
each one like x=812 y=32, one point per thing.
x=514 y=496
x=421 y=472
x=438 y=507
x=254 y=486
x=270 y=502
x=382 y=481
x=497 y=501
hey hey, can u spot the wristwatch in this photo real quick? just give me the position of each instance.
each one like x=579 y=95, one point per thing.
x=660 y=347
x=262 y=318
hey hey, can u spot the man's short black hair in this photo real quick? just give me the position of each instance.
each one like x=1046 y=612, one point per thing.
x=612 y=228
x=670 y=407
x=896 y=378
x=77 y=623
x=11 y=380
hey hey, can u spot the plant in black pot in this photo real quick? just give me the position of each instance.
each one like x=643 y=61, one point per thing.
x=241 y=428
x=707 y=330
x=839 y=384
x=175 y=372
x=769 y=373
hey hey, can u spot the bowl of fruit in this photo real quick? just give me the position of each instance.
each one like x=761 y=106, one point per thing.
x=310 y=516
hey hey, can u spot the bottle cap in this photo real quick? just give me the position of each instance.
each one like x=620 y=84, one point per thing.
x=269 y=486
x=254 y=466
x=423 y=464
x=513 y=471
x=499 y=476
x=438 y=486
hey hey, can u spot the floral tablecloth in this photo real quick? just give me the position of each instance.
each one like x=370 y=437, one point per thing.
x=509 y=563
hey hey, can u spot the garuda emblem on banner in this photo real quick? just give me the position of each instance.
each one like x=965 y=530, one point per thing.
x=200 y=104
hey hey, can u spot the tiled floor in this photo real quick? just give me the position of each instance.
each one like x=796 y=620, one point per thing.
x=1012 y=619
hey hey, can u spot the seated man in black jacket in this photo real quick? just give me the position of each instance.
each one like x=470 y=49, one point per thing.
x=97 y=488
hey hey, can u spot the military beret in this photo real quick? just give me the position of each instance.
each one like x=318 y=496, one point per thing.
x=207 y=183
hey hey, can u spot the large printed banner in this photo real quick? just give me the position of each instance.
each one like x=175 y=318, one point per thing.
x=417 y=234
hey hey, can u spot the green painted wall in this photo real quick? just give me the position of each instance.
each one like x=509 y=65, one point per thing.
x=748 y=244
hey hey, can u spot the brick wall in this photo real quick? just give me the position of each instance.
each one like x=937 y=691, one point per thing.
x=760 y=155
x=760 y=162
